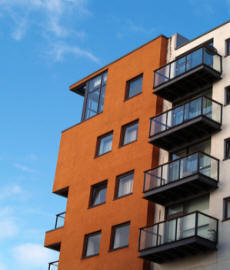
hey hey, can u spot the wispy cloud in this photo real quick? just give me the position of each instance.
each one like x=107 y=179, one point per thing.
x=32 y=256
x=9 y=227
x=10 y=191
x=24 y=168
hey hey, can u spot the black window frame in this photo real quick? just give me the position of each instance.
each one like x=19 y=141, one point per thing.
x=227 y=95
x=118 y=178
x=123 y=130
x=88 y=92
x=227 y=47
x=127 y=90
x=85 y=245
x=225 y=208
x=99 y=139
x=100 y=185
x=227 y=148
x=113 y=234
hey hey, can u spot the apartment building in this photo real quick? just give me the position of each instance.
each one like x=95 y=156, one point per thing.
x=191 y=187
x=101 y=165
x=145 y=173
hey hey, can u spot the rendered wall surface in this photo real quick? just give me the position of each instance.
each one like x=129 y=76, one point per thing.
x=78 y=168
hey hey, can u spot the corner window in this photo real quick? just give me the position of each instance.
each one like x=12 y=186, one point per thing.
x=104 y=144
x=98 y=194
x=134 y=87
x=226 y=208
x=124 y=185
x=120 y=236
x=94 y=96
x=227 y=95
x=129 y=133
x=227 y=148
x=92 y=244
x=227 y=47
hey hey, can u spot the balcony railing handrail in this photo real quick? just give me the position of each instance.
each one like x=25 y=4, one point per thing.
x=52 y=263
x=185 y=156
x=197 y=212
x=58 y=216
x=185 y=55
x=186 y=102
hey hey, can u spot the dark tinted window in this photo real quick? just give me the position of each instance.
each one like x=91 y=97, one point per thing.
x=92 y=244
x=120 y=236
x=134 y=87
x=98 y=194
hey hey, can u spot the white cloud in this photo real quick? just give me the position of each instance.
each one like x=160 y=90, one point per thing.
x=24 y=168
x=32 y=256
x=10 y=191
x=8 y=226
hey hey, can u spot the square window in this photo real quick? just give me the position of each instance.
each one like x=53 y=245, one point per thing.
x=120 y=236
x=227 y=148
x=134 y=87
x=227 y=47
x=98 y=194
x=104 y=144
x=227 y=208
x=227 y=95
x=124 y=184
x=92 y=244
x=129 y=133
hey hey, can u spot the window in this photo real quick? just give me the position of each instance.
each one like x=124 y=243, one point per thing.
x=124 y=184
x=120 y=236
x=94 y=96
x=104 y=144
x=228 y=47
x=92 y=244
x=134 y=87
x=226 y=208
x=227 y=95
x=227 y=148
x=129 y=133
x=98 y=194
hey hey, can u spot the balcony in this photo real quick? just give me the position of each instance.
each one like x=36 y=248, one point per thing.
x=53 y=265
x=181 y=179
x=185 y=76
x=53 y=237
x=183 y=236
x=187 y=123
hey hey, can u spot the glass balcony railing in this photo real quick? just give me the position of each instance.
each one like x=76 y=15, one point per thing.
x=53 y=265
x=195 y=224
x=203 y=56
x=197 y=163
x=202 y=106
x=60 y=219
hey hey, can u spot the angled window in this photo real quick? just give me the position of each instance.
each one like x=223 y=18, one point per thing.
x=227 y=95
x=227 y=148
x=94 y=96
x=104 y=144
x=92 y=244
x=134 y=87
x=226 y=208
x=227 y=44
x=129 y=133
x=124 y=185
x=98 y=194
x=120 y=236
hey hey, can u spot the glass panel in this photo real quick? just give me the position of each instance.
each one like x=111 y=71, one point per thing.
x=93 y=244
x=53 y=266
x=60 y=219
x=130 y=133
x=153 y=179
x=102 y=97
x=104 y=77
x=105 y=144
x=92 y=103
x=208 y=57
x=149 y=237
x=169 y=231
x=194 y=59
x=180 y=66
x=186 y=226
x=161 y=75
x=192 y=109
x=134 y=87
x=188 y=165
x=94 y=83
x=173 y=171
x=177 y=116
x=158 y=124
x=121 y=236
x=125 y=185
x=206 y=227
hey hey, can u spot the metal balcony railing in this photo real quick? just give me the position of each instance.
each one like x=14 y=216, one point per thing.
x=60 y=219
x=195 y=224
x=53 y=265
x=174 y=171
x=201 y=106
x=203 y=56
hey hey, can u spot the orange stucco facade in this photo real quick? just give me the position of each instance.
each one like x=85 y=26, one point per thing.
x=79 y=169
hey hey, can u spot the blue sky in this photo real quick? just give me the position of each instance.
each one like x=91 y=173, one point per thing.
x=46 y=45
